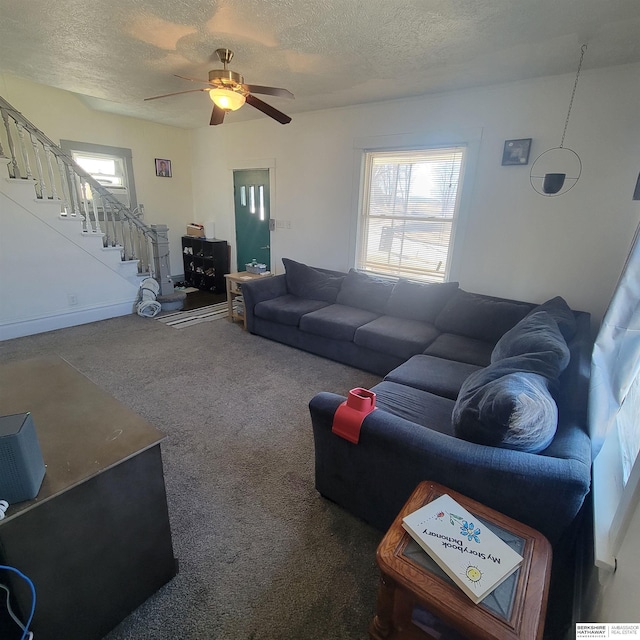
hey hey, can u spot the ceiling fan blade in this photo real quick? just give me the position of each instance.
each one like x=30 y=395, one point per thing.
x=268 y=109
x=270 y=91
x=217 y=115
x=177 y=93
x=191 y=79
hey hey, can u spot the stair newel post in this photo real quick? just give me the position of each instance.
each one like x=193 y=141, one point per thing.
x=14 y=169
x=23 y=151
x=36 y=154
x=48 y=154
x=160 y=243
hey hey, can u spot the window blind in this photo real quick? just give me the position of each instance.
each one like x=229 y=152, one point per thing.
x=410 y=202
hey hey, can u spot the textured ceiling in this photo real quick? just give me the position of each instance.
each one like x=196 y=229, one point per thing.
x=329 y=53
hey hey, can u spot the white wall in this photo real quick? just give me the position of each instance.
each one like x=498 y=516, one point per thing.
x=619 y=596
x=40 y=269
x=517 y=243
x=62 y=115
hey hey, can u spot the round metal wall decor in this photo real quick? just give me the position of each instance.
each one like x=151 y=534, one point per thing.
x=555 y=171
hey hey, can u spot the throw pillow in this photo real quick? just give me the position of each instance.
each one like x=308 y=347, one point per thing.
x=538 y=335
x=364 y=291
x=514 y=411
x=481 y=317
x=306 y=282
x=420 y=301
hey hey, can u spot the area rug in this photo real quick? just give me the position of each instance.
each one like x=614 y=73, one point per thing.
x=183 y=319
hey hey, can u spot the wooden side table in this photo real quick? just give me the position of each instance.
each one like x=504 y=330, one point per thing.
x=418 y=601
x=234 y=289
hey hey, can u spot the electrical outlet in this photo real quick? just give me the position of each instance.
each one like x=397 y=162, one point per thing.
x=280 y=224
x=287 y=224
x=73 y=299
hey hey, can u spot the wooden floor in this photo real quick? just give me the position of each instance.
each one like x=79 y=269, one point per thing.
x=198 y=299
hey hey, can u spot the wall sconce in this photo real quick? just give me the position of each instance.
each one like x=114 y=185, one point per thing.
x=557 y=170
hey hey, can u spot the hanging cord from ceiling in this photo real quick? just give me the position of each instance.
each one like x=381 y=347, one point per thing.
x=573 y=93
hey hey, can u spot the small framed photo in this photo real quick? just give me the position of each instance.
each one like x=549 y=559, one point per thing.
x=163 y=168
x=516 y=151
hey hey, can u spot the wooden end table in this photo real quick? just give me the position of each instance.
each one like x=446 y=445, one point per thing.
x=234 y=289
x=418 y=601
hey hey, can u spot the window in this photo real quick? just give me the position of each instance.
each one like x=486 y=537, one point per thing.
x=409 y=208
x=107 y=170
x=112 y=167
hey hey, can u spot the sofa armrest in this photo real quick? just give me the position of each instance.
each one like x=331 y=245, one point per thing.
x=258 y=290
x=374 y=478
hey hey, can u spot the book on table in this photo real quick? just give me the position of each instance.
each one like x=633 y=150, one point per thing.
x=474 y=557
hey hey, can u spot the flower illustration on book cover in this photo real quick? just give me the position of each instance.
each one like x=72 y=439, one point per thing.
x=468 y=529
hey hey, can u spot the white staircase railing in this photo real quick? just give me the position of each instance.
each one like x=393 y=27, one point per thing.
x=33 y=156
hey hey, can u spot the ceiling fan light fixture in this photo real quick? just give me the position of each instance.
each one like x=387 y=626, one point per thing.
x=227 y=99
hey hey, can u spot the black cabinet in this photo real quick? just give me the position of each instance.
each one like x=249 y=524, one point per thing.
x=205 y=263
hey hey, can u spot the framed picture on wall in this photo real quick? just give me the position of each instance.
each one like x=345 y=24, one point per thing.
x=163 y=168
x=516 y=151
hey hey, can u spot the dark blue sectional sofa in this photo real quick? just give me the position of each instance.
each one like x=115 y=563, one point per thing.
x=485 y=395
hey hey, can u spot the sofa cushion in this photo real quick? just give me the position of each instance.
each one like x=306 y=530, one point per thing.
x=415 y=405
x=537 y=333
x=364 y=291
x=336 y=321
x=396 y=336
x=307 y=282
x=286 y=309
x=461 y=349
x=420 y=301
x=480 y=317
x=560 y=311
x=436 y=375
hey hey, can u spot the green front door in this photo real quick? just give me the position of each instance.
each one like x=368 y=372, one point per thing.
x=251 y=196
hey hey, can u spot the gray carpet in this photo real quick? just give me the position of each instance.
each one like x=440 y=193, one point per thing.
x=262 y=555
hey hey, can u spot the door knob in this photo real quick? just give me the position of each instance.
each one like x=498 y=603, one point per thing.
x=267 y=247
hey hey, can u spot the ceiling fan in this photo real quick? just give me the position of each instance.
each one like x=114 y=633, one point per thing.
x=229 y=92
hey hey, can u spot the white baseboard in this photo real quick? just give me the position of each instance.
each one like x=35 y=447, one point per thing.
x=30 y=327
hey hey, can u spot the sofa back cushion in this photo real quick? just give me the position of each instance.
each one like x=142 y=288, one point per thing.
x=364 y=291
x=481 y=317
x=419 y=301
x=537 y=333
x=306 y=282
